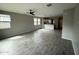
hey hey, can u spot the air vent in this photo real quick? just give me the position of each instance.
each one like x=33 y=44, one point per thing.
x=48 y=5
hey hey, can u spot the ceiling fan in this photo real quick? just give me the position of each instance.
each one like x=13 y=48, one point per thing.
x=31 y=12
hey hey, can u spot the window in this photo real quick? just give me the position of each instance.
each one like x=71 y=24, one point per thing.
x=4 y=21
x=37 y=21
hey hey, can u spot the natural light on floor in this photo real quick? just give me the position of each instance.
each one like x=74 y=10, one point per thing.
x=16 y=37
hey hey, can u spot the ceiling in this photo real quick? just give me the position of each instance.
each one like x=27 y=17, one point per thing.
x=40 y=9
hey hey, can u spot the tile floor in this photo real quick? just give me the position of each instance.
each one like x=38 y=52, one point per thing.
x=40 y=42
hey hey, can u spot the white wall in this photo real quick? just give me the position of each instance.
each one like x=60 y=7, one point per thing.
x=75 y=38
x=71 y=27
x=20 y=23
x=68 y=17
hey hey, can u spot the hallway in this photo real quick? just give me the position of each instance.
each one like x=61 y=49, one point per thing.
x=40 y=42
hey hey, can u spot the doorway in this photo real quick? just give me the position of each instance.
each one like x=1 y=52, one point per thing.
x=48 y=24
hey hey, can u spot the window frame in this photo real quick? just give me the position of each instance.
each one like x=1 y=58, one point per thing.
x=38 y=21
x=35 y=21
x=3 y=22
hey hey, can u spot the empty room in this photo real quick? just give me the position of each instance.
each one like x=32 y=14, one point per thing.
x=39 y=29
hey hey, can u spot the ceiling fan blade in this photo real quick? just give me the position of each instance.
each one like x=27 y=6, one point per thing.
x=28 y=13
